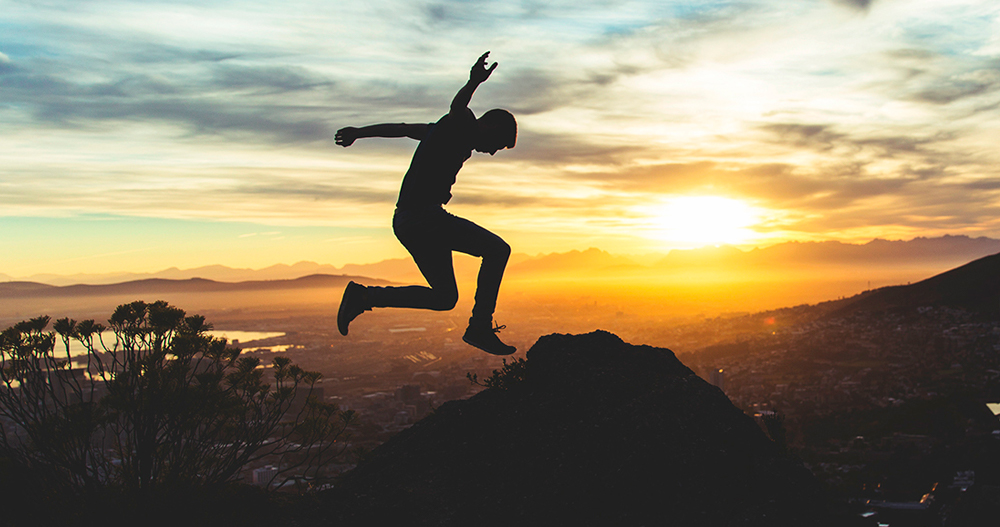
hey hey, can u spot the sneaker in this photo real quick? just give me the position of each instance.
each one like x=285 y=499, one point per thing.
x=354 y=302
x=484 y=337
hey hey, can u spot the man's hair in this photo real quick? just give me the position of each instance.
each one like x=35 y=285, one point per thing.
x=503 y=123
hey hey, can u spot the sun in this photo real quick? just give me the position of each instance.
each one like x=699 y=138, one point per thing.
x=696 y=221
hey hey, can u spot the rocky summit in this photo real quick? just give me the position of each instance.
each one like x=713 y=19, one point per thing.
x=589 y=430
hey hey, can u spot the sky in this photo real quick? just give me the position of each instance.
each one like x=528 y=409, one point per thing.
x=141 y=135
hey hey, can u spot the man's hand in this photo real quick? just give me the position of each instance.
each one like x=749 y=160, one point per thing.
x=346 y=136
x=479 y=73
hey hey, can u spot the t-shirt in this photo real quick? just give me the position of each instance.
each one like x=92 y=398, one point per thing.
x=437 y=160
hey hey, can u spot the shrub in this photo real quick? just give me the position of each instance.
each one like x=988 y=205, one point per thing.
x=158 y=405
x=506 y=377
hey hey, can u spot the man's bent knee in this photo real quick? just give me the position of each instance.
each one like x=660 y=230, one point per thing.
x=444 y=300
x=500 y=251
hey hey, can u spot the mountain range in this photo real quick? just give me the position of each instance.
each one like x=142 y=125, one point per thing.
x=930 y=253
x=190 y=285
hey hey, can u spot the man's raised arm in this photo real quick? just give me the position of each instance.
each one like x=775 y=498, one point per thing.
x=346 y=136
x=477 y=76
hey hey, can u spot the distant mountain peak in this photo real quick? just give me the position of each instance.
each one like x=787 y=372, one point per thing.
x=932 y=253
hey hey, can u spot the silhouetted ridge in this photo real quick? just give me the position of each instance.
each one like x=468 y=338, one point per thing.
x=974 y=286
x=165 y=285
x=24 y=288
x=600 y=432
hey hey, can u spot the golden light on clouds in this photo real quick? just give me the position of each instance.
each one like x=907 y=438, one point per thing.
x=667 y=124
x=702 y=220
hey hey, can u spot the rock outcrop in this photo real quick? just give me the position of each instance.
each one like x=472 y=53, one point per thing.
x=597 y=432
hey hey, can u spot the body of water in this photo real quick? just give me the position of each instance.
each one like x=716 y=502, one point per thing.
x=244 y=336
x=78 y=351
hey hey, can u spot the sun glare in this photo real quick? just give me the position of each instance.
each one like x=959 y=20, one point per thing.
x=696 y=221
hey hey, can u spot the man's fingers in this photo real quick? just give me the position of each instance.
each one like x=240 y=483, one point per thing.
x=493 y=67
x=341 y=138
x=482 y=59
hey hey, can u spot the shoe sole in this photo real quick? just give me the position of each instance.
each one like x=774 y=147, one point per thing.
x=477 y=346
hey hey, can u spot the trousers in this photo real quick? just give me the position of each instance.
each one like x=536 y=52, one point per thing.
x=430 y=235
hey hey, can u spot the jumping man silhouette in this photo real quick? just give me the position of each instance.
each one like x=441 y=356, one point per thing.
x=430 y=233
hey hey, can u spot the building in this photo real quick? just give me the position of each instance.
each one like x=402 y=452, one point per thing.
x=265 y=475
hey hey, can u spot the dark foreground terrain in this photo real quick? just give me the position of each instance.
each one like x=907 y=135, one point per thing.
x=588 y=431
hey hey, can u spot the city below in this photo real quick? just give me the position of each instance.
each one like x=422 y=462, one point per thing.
x=885 y=396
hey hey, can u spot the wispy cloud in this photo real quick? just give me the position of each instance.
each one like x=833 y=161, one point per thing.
x=861 y=5
x=842 y=116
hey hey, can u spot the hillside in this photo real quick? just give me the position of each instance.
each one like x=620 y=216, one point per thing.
x=162 y=285
x=974 y=287
x=598 y=432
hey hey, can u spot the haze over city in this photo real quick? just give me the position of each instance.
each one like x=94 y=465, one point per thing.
x=146 y=135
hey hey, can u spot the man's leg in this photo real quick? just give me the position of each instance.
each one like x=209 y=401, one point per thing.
x=430 y=240
x=436 y=265
x=467 y=237
x=424 y=236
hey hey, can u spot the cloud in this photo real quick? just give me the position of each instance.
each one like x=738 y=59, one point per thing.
x=500 y=198
x=165 y=54
x=861 y=5
x=541 y=147
x=775 y=185
x=830 y=198
x=274 y=124
x=295 y=188
x=527 y=91
x=267 y=79
x=814 y=136
x=239 y=102
x=437 y=13
x=953 y=90
x=824 y=138
x=856 y=121
x=6 y=65
x=384 y=100
x=940 y=77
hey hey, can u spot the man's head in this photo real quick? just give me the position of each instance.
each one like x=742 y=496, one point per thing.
x=497 y=130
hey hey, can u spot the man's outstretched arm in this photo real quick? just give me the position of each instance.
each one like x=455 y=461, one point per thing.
x=346 y=136
x=477 y=76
